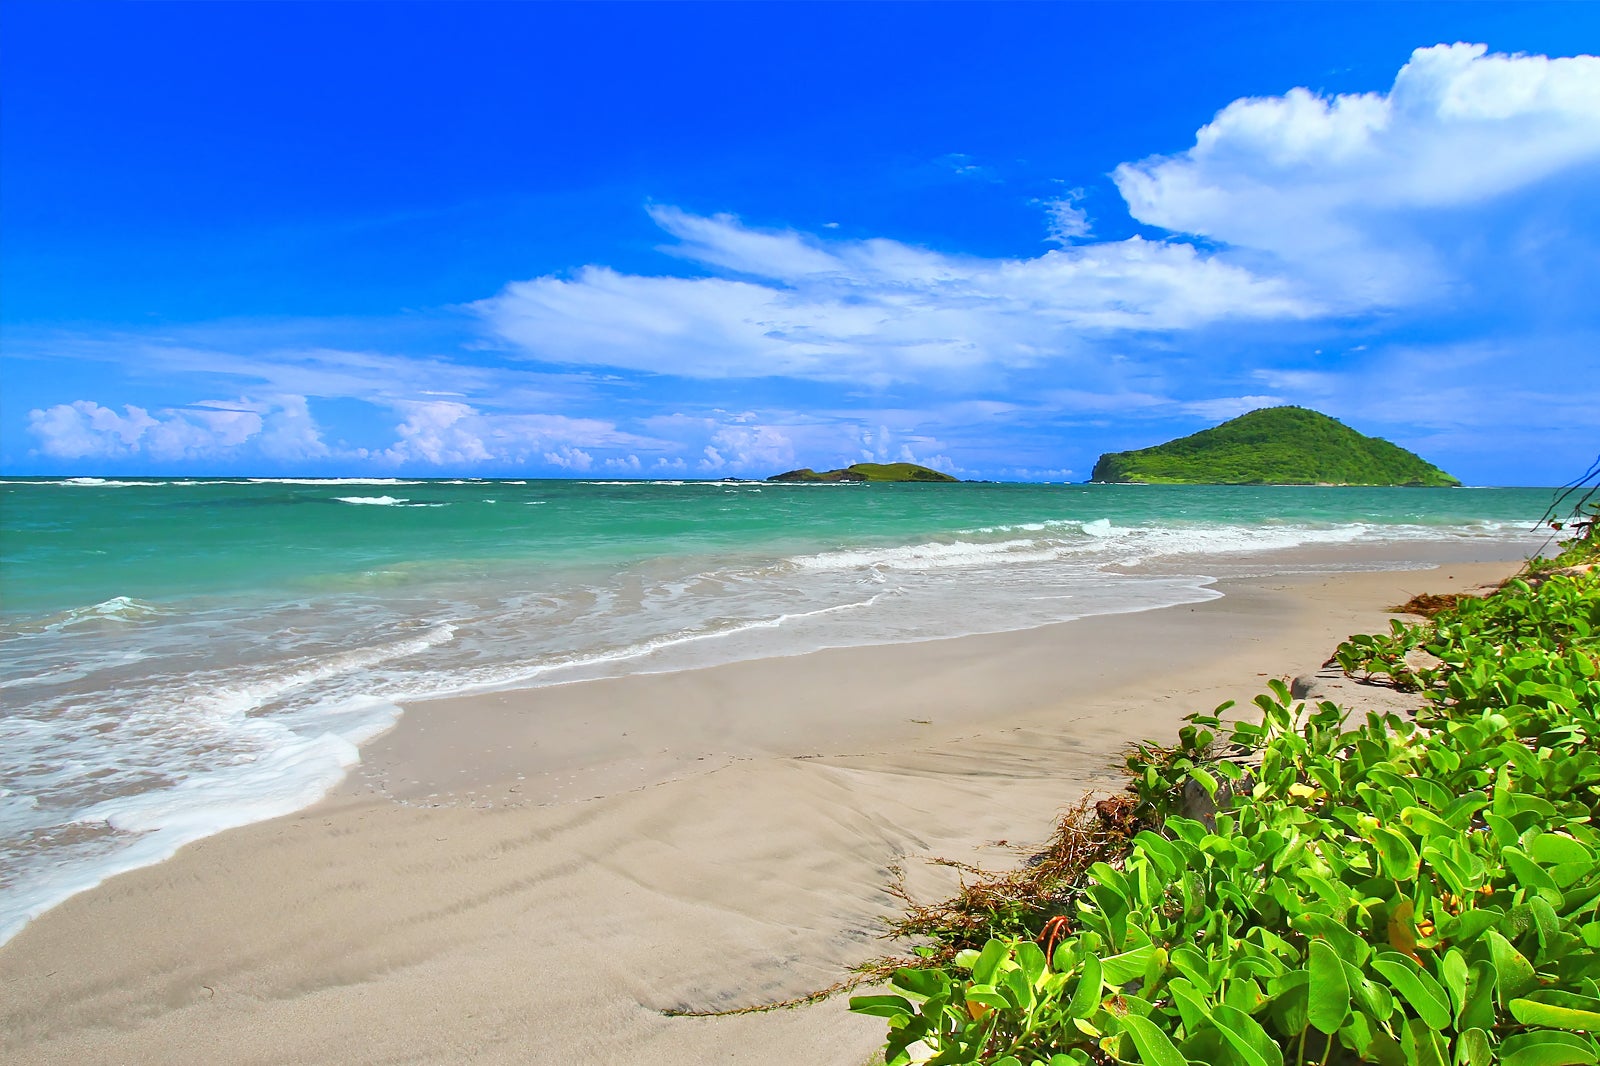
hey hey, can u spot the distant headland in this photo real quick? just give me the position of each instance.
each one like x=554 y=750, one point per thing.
x=1273 y=446
x=866 y=472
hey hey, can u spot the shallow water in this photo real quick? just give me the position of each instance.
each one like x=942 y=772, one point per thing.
x=185 y=655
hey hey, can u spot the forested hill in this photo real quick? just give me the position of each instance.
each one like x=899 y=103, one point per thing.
x=866 y=472
x=1274 y=446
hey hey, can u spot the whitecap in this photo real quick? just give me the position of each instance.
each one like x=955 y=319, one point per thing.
x=330 y=481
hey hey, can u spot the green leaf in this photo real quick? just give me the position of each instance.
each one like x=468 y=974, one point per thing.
x=1371 y=1043
x=1513 y=972
x=1426 y=823
x=1422 y=1046
x=1289 y=1007
x=1351 y=948
x=1552 y=848
x=1328 y=999
x=1160 y=851
x=1128 y=966
x=1086 y=997
x=881 y=1006
x=1155 y=1048
x=1530 y=874
x=923 y=983
x=1416 y=986
x=1246 y=1036
x=989 y=996
x=1546 y=1049
x=1572 y=1012
x=988 y=962
x=1453 y=969
x=1191 y=1011
x=1473 y=1049
x=1373 y=997
x=1478 y=1009
x=1030 y=957
x=1398 y=855
x=1016 y=985
x=1472 y=923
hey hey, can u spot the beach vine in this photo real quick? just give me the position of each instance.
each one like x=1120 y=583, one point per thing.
x=1415 y=890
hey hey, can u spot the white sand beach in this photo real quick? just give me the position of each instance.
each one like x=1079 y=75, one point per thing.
x=537 y=876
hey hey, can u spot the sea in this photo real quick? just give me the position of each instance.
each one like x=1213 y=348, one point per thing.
x=179 y=656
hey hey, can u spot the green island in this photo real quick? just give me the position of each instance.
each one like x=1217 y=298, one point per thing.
x=866 y=472
x=1273 y=446
x=1307 y=885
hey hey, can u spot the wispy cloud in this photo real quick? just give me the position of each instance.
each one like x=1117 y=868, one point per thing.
x=875 y=311
x=1065 y=221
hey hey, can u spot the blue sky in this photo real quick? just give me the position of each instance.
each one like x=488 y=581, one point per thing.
x=727 y=240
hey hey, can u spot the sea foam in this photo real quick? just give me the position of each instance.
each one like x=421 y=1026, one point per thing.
x=144 y=720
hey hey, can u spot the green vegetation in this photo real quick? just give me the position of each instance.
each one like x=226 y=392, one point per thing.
x=1584 y=547
x=1407 y=892
x=1274 y=446
x=867 y=472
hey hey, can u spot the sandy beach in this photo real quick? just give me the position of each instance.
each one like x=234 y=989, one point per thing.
x=539 y=876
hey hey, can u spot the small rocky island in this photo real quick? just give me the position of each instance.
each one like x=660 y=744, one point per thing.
x=866 y=472
x=1273 y=446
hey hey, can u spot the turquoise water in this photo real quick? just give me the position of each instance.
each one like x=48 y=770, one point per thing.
x=186 y=655
x=68 y=545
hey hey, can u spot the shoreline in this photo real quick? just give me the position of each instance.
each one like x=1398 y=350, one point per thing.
x=535 y=875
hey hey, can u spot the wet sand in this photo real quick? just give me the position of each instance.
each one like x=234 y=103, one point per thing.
x=537 y=876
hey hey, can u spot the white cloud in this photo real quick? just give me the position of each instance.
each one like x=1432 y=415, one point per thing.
x=1225 y=407
x=569 y=458
x=439 y=432
x=721 y=240
x=1323 y=205
x=448 y=432
x=871 y=311
x=746 y=448
x=83 y=429
x=1341 y=187
x=1065 y=220
x=1025 y=473
x=882 y=445
x=292 y=433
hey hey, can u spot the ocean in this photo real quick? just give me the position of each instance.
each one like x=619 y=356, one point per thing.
x=181 y=656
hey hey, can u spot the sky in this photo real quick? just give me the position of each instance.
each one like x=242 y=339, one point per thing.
x=727 y=240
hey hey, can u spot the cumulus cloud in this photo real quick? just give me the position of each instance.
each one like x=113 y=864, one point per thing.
x=1341 y=187
x=439 y=432
x=83 y=429
x=569 y=458
x=746 y=448
x=451 y=433
x=208 y=429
